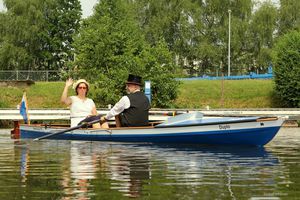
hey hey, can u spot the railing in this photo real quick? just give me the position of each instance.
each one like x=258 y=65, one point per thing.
x=64 y=114
x=34 y=75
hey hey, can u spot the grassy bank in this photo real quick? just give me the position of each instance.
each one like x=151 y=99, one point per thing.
x=236 y=94
x=39 y=95
x=192 y=94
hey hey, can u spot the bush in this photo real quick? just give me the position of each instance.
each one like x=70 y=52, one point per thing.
x=287 y=69
x=111 y=45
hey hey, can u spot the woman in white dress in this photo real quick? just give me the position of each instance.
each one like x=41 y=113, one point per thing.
x=80 y=105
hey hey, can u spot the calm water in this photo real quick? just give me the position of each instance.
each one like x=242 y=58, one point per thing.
x=101 y=170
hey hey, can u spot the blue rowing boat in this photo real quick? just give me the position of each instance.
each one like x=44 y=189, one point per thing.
x=190 y=128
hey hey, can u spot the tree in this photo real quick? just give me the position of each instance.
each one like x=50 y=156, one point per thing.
x=289 y=16
x=287 y=69
x=211 y=42
x=38 y=34
x=20 y=46
x=174 y=21
x=62 y=23
x=262 y=28
x=110 y=45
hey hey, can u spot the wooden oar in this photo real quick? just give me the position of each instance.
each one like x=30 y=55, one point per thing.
x=84 y=124
x=170 y=113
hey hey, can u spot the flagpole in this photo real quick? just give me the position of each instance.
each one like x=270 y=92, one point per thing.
x=27 y=108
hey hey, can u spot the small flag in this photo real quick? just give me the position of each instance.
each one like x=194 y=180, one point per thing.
x=24 y=109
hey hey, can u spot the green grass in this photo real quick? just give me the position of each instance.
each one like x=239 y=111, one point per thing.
x=45 y=95
x=39 y=95
x=192 y=94
x=236 y=94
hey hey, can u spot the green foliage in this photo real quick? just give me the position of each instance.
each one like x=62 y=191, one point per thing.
x=262 y=27
x=20 y=42
x=110 y=46
x=38 y=34
x=159 y=69
x=198 y=31
x=62 y=23
x=289 y=16
x=287 y=69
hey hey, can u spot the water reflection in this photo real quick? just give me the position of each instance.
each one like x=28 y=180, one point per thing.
x=81 y=169
x=129 y=167
x=24 y=164
x=89 y=170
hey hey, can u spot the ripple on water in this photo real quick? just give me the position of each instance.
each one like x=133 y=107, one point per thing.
x=69 y=169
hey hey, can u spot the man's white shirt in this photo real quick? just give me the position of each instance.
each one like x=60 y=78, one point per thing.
x=119 y=107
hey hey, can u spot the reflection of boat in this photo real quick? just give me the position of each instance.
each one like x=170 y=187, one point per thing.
x=181 y=129
x=135 y=169
x=246 y=153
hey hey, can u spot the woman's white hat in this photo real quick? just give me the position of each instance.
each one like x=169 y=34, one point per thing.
x=80 y=81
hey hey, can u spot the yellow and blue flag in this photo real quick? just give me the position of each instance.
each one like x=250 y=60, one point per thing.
x=24 y=109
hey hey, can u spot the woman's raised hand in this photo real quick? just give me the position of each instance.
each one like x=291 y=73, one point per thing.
x=69 y=82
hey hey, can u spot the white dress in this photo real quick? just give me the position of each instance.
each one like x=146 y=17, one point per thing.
x=80 y=109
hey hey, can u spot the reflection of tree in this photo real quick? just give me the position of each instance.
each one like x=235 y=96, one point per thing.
x=286 y=148
x=34 y=169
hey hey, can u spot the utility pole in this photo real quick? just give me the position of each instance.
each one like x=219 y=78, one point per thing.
x=229 y=13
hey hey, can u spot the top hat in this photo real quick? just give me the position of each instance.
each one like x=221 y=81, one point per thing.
x=132 y=79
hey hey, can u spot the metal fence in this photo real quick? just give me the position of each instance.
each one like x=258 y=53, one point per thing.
x=20 y=75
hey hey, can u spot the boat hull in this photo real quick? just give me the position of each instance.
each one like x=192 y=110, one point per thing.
x=242 y=133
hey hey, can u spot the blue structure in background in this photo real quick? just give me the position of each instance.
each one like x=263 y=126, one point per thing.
x=270 y=69
x=148 y=90
x=252 y=75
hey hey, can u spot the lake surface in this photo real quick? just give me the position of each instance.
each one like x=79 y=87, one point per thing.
x=105 y=170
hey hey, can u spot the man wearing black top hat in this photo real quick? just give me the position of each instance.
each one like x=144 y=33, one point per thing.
x=132 y=109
